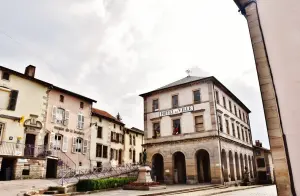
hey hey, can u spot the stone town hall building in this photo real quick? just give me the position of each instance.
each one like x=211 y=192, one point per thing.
x=197 y=131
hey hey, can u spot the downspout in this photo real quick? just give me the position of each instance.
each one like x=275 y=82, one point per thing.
x=220 y=149
x=243 y=11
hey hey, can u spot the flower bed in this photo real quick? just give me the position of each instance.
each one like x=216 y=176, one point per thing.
x=98 y=184
x=144 y=184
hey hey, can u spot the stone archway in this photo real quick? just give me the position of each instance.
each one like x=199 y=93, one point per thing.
x=179 y=168
x=231 y=166
x=203 y=166
x=158 y=167
x=237 y=166
x=224 y=166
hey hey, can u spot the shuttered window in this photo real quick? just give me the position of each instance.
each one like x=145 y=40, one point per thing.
x=80 y=122
x=13 y=100
x=199 y=125
x=98 y=150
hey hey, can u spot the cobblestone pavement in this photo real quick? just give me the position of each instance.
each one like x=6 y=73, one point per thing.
x=261 y=191
x=16 y=187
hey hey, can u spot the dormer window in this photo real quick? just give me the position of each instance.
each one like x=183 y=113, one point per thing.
x=5 y=76
x=61 y=98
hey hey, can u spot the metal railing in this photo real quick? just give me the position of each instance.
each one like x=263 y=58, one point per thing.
x=73 y=176
x=19 y=149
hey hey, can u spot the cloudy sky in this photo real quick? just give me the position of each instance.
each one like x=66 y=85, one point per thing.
x=113 y=50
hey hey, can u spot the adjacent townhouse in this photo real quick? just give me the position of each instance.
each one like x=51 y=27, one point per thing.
x=23 y=105
x=67 y=131
x=133 y=146
x=44 y=129
x=107 y=140
x=264 y=170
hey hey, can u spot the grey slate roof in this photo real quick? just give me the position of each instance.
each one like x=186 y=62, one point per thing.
x=181 y=81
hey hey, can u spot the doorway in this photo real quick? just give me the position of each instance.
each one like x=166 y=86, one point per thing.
x=7 y=169
x=203 y=166
x=29 y=145
x=158 y=167
x=120 y=157
x=51 y=171
x=179 y=168
x=133 y=156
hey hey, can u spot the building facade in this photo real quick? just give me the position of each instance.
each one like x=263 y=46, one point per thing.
x=107 y=140
x=133 y=146
x=197 y=131
x=263 y=164
x=23 y=105
x=68 y=130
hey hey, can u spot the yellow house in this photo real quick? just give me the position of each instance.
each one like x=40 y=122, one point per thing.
x=23 y=103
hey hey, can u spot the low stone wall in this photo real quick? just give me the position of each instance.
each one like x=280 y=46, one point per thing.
x=30 y=169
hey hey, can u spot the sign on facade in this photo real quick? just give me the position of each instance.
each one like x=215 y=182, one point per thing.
x=176 y=111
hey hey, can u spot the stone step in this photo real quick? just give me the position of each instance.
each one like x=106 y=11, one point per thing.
x=52 y=192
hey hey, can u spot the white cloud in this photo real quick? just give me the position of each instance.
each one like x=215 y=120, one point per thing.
x=112 y=50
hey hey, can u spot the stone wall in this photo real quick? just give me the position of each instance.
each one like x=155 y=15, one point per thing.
x=189 y=149
x=30 y=168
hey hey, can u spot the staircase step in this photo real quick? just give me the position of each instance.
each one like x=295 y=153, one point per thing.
x=51 y=192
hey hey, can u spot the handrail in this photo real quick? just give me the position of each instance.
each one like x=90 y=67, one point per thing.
x=73 y=176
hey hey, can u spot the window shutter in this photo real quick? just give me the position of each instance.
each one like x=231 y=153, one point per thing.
x=53 y=118
x=13 y=100
x=85 y=146
x=65 y=144
x=82 y=121
x=74 y=145
x=67 y=116
x=79 y=121
x=51 y=142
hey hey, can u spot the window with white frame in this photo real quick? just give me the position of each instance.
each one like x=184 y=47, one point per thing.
x=60 y=116
x=80 y=121
x=57 y=144
x=79 y=145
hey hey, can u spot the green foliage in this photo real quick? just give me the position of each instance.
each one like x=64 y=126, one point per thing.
x=98 y=184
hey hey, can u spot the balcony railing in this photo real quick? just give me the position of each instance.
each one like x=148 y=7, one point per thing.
x=26 y=150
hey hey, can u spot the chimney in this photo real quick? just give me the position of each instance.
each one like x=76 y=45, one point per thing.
x=30 y=71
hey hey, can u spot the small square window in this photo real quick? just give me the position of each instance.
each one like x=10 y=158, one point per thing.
x=5 y=76
x=61 y=98
x=81 y=105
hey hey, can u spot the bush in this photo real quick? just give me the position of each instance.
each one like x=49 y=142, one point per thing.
x=98 y=184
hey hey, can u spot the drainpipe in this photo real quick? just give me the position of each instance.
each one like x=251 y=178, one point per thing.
x=243 y=11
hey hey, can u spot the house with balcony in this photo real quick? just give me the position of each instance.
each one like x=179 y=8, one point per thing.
x=197 y=131
x=68 y=133
x=44 y=129
x=23 y=105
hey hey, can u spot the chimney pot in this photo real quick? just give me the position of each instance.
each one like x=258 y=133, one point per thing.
x=30 y=71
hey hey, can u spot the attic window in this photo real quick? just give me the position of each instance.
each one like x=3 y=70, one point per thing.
x=61 y=98
x=5 y=76
x=81 y=105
